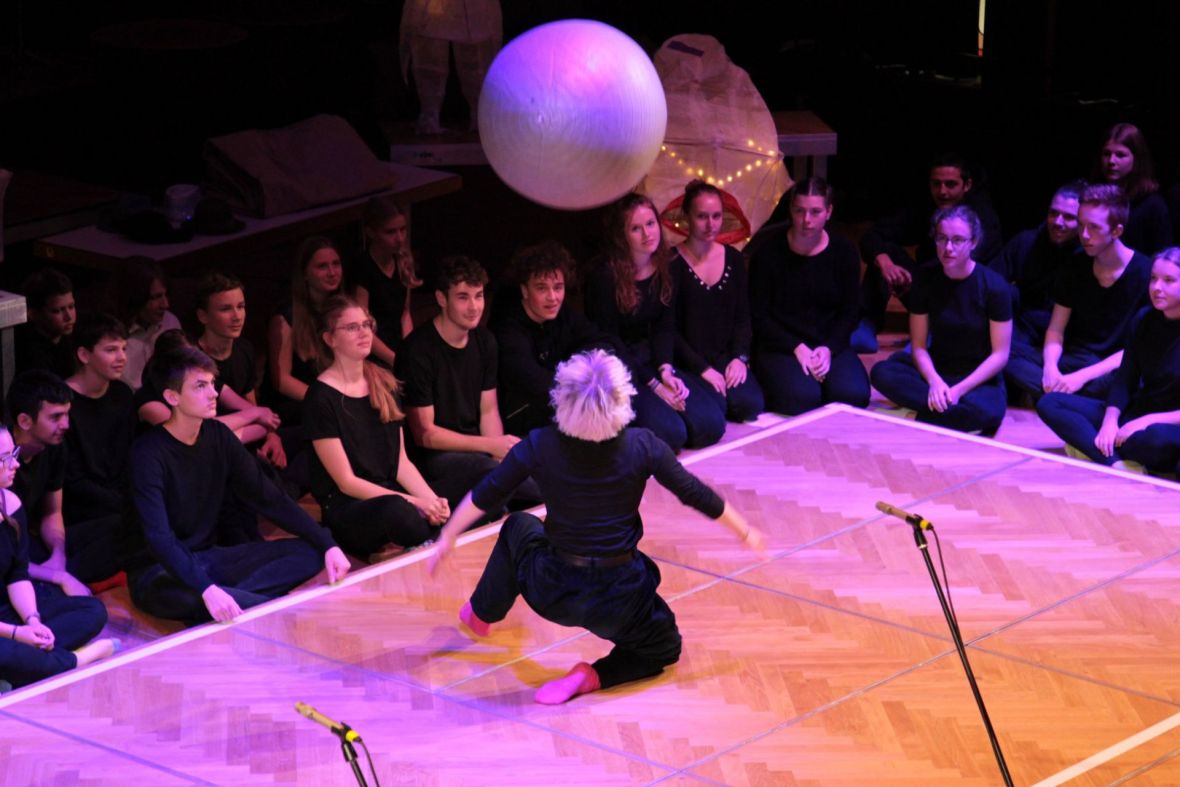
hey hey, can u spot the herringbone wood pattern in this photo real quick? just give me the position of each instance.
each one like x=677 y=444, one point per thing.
x=827 y=663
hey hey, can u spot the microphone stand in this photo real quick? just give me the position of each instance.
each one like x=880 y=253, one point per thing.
x=350 y=754
x=956 y=635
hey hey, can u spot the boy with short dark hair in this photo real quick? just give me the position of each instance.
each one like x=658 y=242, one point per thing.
x=102 y=426
x=449 y=367
x=44 y=341
x=39 y=415
x=182 y=471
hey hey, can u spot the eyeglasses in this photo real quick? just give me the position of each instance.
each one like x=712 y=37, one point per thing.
x=354 y=328
x=957 y=242
x=10 y=457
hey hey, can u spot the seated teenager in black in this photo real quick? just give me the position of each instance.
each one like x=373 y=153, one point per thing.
x=39 y=415
x=44 y=341
x=373 y=498
x=448 y=366
x=535 y=332
x=805 y=297
x=961 y=329
x=1093 y=303
x=1031 y=262
x=1140 y=419
x=712 y=307
x=250 y=422
x=181 y=472
x=98 y=442
x=291 y=340
x=221 y=310
x=889 y=266
x=383 y=274
x=1125 y=161
x=43 y=632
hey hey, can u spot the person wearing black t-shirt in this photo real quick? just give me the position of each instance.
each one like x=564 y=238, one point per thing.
x=1125 y=161
x=448 y=366
x=1140 y=419
x=804 y=297
x=39 y=414
x=535 y=332
x=961 y=330
x=1092 y=305
x=221 y=310
x=373 y=498
x=182 y=472
x=102 y=426
x=383 y=274
x=581 y=566
x=889 y=265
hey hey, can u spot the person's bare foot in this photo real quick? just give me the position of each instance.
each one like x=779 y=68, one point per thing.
x=97 y=650
x=472 y=621
x=582 y=679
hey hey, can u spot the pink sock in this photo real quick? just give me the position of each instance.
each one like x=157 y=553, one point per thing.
x=582 y=679
x=472 y=621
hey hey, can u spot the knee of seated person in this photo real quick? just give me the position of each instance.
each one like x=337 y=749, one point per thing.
x=794 y=405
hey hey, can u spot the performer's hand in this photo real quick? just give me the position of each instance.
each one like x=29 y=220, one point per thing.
x=266 y=417
x=735 y=373
x=221 y=605
x=1050 y=378
x=756 y=541
x=953 y=394
x=336 y=564
x=714 y=378
x=673 y=383
x=435 y=510
x=441 y=554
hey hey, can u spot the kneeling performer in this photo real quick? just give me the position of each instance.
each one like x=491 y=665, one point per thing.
x=580 y=567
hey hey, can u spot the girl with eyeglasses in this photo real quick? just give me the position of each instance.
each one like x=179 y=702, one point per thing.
x=373 y=498
x=961 y=330
x=41 y=634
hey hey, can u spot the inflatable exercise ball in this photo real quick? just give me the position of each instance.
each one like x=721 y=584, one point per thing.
x=572 y=114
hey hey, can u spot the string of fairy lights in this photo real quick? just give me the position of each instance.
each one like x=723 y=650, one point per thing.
x=771 y=156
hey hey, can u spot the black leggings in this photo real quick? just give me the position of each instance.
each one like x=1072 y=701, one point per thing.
x=362 y=527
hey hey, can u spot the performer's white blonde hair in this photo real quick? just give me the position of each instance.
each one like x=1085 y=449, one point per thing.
x=592 y=396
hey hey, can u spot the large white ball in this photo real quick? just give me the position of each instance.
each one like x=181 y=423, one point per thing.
x=572 y=114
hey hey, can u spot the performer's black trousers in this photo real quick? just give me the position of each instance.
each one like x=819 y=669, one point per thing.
x=619 y=604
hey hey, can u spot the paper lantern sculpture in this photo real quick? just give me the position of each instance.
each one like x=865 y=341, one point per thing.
x=572 y=114
x=719 y=130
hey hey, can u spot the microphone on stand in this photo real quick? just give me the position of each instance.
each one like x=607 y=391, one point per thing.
x=917 y=520
x=345 y=732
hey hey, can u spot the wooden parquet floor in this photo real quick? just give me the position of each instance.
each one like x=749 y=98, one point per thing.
x=827 y=664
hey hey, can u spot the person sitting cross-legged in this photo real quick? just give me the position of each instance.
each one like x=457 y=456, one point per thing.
x=182 y=471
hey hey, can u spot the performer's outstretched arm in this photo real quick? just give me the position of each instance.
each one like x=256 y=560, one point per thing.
x=465 y=515
x=735 y=521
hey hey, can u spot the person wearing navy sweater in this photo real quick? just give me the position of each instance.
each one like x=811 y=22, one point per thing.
x=1092 y=305
x=804 y=298
x=961 y=329
x=581 y=566
x=1140 y=419
x=182 y=471
x=712 y=305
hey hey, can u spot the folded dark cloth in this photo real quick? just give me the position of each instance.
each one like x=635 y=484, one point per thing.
x=313 y=162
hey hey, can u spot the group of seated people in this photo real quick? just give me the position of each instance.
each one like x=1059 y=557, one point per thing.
x=138 y=453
